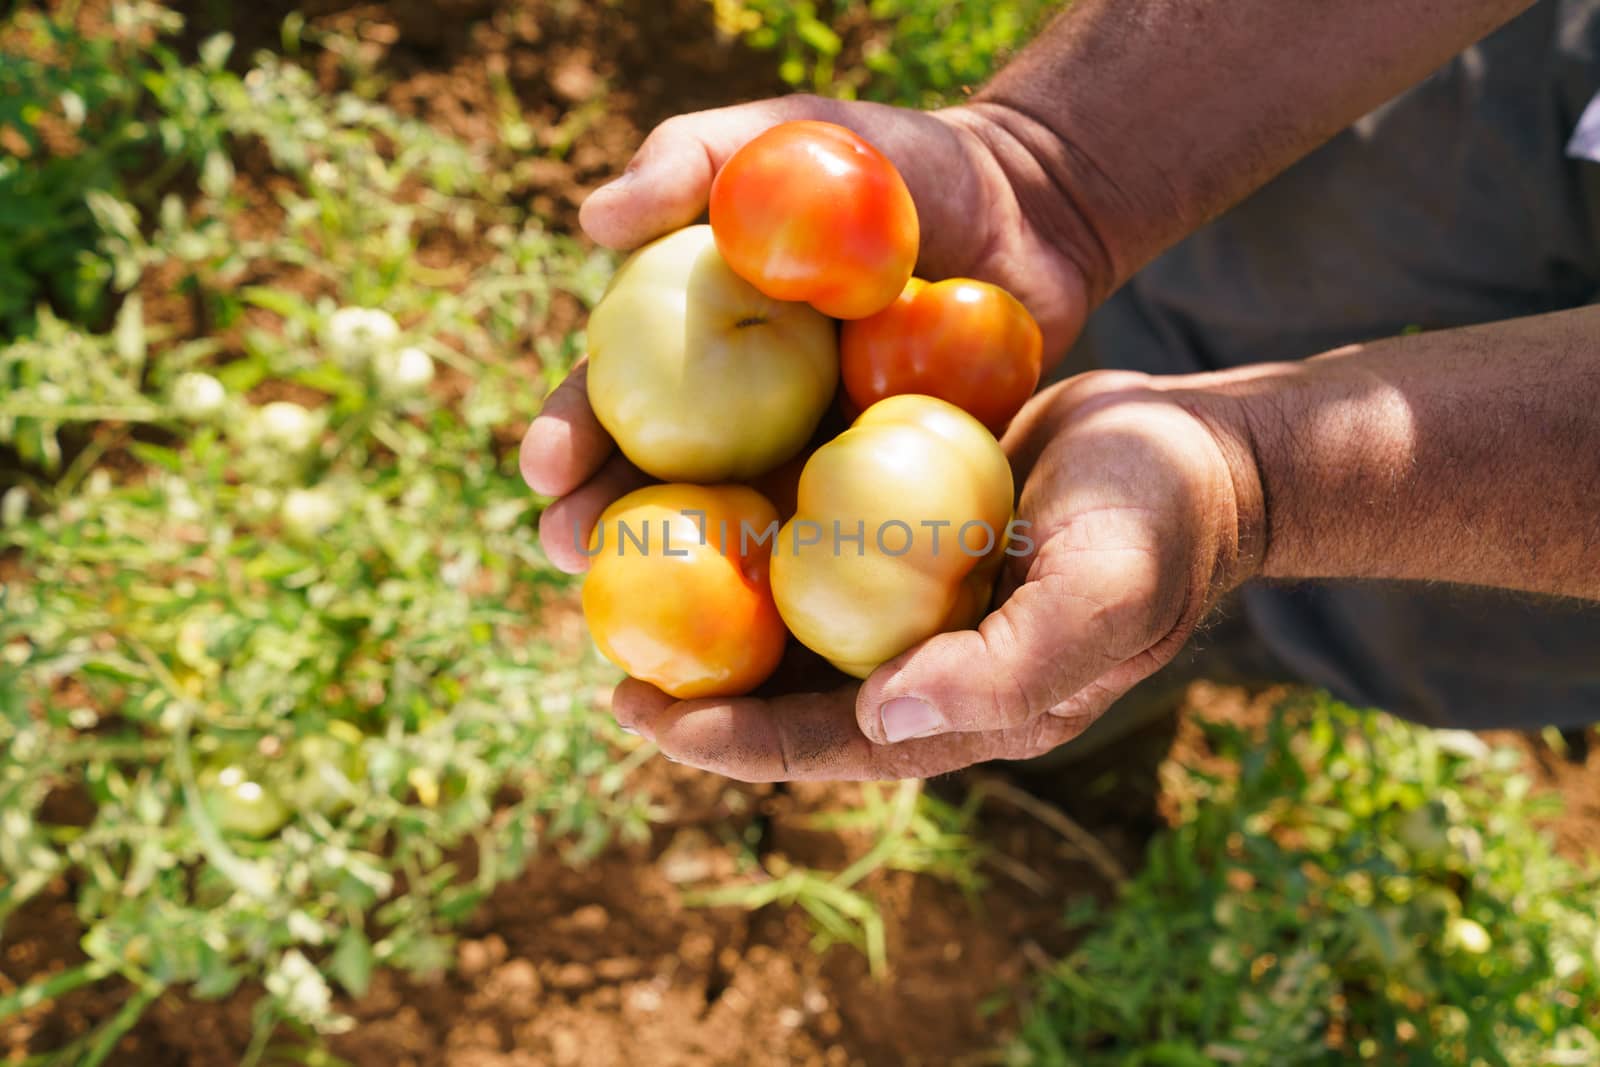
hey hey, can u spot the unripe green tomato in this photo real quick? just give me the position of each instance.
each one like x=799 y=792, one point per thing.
x=327 y=771
x=239 y=801
x=1424 y=832
x=354 y=335
x=1468 y=936
x=308 y=513
x=407 y=372
x=696 y=374
x=285 y=427
x=198 y=396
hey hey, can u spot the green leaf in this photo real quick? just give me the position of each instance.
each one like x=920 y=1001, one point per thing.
x=158 y=455
x=327 y=377
x=819 y=36
x=217 y=977
x=1175 y=1054
x=353 y=961
x=280 y=302
x=241 y=375
x=214 y=50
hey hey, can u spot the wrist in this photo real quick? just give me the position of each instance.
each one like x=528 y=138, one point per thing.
x=1303 y=438
x=1032 y=201
x=1233 y=416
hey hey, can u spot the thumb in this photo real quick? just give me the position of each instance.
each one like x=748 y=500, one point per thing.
x=1084 y=619
x=668 y=183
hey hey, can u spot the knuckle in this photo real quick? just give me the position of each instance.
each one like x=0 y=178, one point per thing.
x=1012 y=697
x=1048 y=733
x=672 y=127
x=809 y=104
x=897 y=762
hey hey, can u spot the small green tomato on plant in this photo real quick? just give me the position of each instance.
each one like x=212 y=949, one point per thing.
x=405 y=373
x=198 y=397
x=287 y=426
x=355 y=336
x=308 y=513
x=239 y=803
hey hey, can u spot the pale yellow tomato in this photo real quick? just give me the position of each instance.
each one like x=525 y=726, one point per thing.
x=696 y=374
x=901 y=525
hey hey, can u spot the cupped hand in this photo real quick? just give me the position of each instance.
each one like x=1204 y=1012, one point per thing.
x=972 y=224
x=1134 y=501
x=1143 y=511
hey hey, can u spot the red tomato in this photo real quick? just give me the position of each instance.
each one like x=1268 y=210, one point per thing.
x=810 y=211
x=967 y=342
x=678 y=593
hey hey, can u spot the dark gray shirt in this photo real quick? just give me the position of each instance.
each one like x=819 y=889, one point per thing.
x=1472 y=198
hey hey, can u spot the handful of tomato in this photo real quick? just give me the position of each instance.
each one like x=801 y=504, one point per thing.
x=715 y=357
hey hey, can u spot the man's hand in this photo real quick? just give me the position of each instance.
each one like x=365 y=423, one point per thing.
x=1141 y=517
x=972 y=226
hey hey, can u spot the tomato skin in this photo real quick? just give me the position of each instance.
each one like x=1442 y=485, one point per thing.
x=329 y=766
x=964 y=341
x=810 y=211
x=911 y=460
x=697 y=375
x=693 y=618
x=240 y=801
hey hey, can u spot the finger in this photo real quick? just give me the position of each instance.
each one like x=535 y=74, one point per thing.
x=565 y=444
x=668 y=183
x=1036 y=426
x=565 y=526
x=1077 y=620
x=814 y=737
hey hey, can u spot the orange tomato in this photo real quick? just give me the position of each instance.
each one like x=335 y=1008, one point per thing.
x=678 y=593
x=810 y=211
x=967 y=342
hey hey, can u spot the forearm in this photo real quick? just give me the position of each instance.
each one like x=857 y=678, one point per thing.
x=1130 y=123
x=1468 y=456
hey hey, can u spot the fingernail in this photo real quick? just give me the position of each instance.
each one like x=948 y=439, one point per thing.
x=908 y=717
x=625 y=728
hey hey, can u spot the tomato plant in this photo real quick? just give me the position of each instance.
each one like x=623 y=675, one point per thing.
x=810 y=211
x=964 y=341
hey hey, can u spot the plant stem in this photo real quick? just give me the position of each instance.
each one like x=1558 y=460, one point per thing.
x=126 y=1019
x=56 y=985
x=21 y=409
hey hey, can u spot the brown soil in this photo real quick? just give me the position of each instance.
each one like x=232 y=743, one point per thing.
x=589 y=79
x=603 y=965
x=1573 y=772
